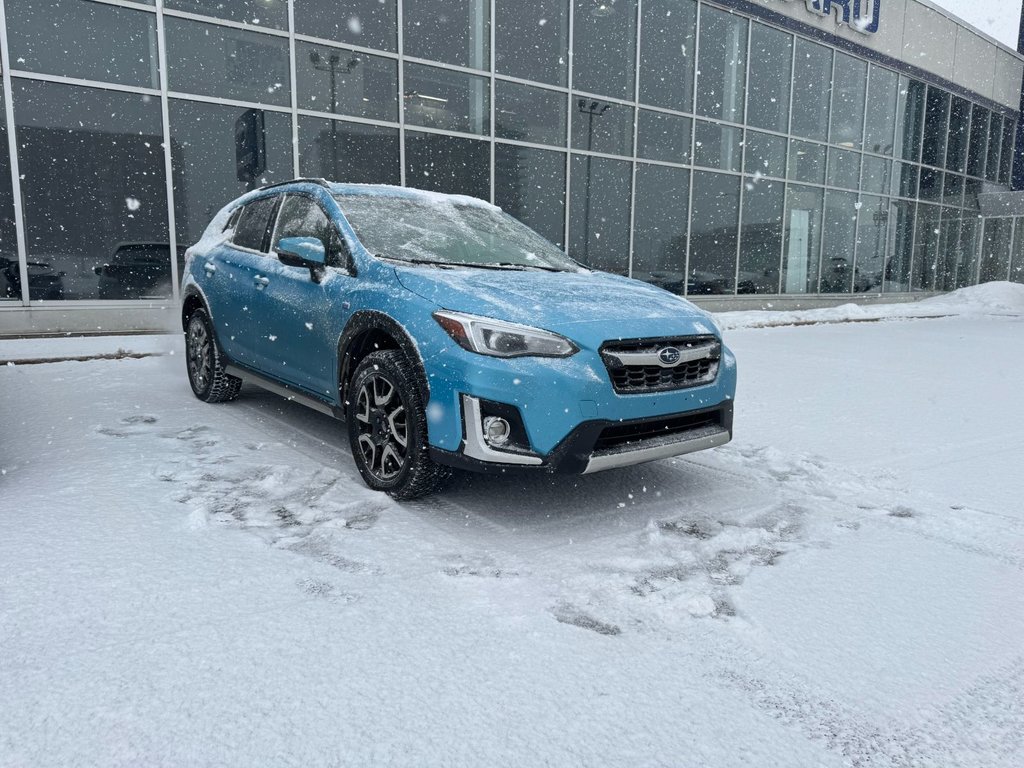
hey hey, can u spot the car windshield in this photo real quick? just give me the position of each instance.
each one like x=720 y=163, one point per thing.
x=441 y=231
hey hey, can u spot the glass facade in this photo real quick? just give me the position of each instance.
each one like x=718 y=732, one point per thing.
x=682 y=143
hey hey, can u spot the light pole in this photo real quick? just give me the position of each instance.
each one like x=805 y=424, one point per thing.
x=592 y=109
x=331 y=65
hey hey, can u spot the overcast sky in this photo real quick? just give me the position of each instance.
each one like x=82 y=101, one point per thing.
x=998 y=18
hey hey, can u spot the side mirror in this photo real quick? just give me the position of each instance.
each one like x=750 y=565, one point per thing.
x=306 y=252
x=98 y=269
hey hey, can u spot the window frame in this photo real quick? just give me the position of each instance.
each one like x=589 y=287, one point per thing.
x=345 y=255
x=265 y=244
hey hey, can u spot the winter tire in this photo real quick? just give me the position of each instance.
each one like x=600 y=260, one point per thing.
x=387 y=428
x=206 y=373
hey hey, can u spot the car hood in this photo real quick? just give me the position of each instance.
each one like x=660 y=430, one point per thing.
x=588 y=307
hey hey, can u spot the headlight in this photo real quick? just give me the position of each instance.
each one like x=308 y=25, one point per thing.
x=500 y=339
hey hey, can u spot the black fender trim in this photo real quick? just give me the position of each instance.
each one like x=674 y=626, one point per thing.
x=372 y=320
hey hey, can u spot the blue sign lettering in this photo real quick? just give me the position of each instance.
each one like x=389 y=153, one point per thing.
x=862 y=15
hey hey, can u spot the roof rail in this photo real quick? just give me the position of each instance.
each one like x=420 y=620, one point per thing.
x=322 y=182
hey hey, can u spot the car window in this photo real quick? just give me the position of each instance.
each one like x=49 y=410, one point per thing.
x=252 y=225
x=303 y=217
x=231 y=222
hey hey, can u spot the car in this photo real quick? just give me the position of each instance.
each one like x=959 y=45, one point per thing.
x=136 y=270
x=446 y=334
x=44 y=282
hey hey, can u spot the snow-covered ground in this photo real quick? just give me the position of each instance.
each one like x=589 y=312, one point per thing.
x=186 y=584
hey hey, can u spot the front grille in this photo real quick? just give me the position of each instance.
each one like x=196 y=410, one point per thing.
x=635 y=379
x=621 y=435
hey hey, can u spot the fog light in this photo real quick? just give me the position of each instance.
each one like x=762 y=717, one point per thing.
x=496 y=430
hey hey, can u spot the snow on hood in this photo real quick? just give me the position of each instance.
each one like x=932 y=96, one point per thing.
x=581 y=305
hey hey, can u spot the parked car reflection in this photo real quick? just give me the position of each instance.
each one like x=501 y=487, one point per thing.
x=45 y=283
x=137 y=270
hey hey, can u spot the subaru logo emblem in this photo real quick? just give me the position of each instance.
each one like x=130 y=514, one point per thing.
x=669 y=355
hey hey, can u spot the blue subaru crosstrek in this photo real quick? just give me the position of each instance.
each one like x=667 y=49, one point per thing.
x=447 y=334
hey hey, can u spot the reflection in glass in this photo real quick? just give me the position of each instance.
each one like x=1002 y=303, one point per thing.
x=880 y=120
x=530 y=185
x=525 y=113
x=230 y=63
x=771 y=53
x=1017 y=256
x=260 y=12
x=348 y=152
x=1006 y=162
x=806 y=162
x=92 y=168
x=714 y=234
x=948 y=259
x=978 y=147
x=604 y=47
x=959 y=131
x=602 y=126
x=659 y=226
x=926 y=248
x=995 y=249
x=661 y=136
x=367 y=23
x=599 y=213
x=10 y=277
x=936 y=127
x=910 y=118
x=905 y=179
x=995 y=136
x=667 y=50
x=812 y=90
x=440 y=98
x=531 y=39
x=765 y=154
x=843 y=168
x=802 y=247
x=717 y=146
x=840 y=230
x=902 y=214
x=84 y=40
x=877 y=173
x=970 y=234
x=215 y=160
x=761 y=236
x=931 y=185
x=451 y=31
x=447 y=164
x=722 y=71
x=953 y=189
x=344 y=82
x=848 y=86
x=872 y=228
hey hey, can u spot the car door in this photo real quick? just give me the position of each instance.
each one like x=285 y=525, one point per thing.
x=239 y=264
x=299 y=319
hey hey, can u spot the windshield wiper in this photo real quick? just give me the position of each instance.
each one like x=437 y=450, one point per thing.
x=474 y=264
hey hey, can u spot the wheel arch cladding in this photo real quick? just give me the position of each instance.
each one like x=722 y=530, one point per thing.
x=368 y=331
x=192 y=301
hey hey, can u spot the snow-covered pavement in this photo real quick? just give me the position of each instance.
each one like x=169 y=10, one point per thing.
x=189 y=585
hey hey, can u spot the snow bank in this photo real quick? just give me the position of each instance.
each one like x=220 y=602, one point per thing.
x=996 y=298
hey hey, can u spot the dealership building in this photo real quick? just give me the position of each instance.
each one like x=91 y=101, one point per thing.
x=746 y=153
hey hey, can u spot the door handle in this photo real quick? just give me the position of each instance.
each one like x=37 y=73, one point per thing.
x=261 y=282
x=210 y=267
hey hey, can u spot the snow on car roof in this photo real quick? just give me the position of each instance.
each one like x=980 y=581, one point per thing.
x=420 y=195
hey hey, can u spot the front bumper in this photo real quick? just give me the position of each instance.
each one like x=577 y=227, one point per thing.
x=595 y=445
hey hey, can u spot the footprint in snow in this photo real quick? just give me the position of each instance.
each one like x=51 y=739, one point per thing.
x=567 y=614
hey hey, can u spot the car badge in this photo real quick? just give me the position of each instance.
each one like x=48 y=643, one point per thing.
x=669 y=355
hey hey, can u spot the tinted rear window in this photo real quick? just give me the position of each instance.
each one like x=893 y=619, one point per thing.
x=252 y=226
